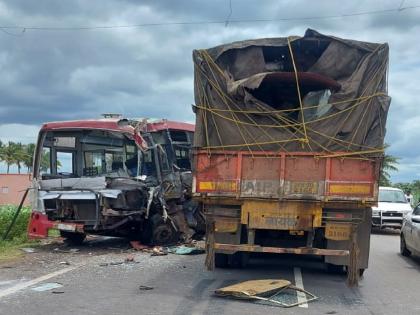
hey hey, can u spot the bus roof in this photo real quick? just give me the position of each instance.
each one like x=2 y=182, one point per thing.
x=113 y=124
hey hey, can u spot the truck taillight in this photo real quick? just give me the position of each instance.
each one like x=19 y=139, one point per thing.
x=225 y=185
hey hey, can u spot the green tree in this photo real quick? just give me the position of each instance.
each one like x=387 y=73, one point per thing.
x=45 y=165
x=19 y=155
x=8 y=154
x=404 y=186
x=29 y=156
x=389 y=163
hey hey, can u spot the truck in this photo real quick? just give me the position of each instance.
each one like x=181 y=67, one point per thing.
x=115 y=177
x=288 y=147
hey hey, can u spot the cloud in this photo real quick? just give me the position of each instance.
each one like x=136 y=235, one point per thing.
x=19 y=133
x=148 y=71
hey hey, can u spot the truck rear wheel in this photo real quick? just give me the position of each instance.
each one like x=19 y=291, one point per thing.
x=221 y=260
x=73 y=238
x=237 y=260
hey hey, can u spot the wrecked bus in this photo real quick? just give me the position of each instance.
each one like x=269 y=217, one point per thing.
x=115 y=177
x=288 y=147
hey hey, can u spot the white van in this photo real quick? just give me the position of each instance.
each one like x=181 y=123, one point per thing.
x=392 y=207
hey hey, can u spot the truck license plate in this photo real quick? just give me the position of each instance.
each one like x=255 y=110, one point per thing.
x=66 y=227
x=337 y=231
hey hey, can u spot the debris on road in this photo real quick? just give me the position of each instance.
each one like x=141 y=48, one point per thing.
x=276 y=291
x=28 y=250
x=159 y=251
x=186 y=250
x=64 y=263
x=138 y=246
x=47 y=286
x=70 y=251
x=145 y=288
x=129 y=258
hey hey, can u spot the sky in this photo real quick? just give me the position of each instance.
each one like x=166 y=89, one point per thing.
x=55 y=74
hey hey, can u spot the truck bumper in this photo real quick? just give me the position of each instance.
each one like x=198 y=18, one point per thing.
x=231 y=249
x=39 y=226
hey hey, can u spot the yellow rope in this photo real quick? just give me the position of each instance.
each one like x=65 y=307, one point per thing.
x=226 y=98
x=298 y=92
x=342 y=154
x=234 y=117
x=289 y=122
x=250 y=144
x=262 y=112
x=294 y=124
x=363 y=92
x=365 y=111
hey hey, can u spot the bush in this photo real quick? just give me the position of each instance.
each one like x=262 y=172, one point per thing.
x=18 y=234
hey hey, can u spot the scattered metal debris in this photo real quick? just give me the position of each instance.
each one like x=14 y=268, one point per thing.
x=47 y=286
x=159 y=251
x=70 y=251
x=186 y=250
x=145 y=288
x=138 y=246
x=28 y=250
x=274 y=291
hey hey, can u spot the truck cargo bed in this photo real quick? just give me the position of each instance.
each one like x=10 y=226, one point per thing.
x=283 y=176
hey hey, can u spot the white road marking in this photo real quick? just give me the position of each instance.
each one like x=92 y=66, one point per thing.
x=301 y=297
x=32 y=282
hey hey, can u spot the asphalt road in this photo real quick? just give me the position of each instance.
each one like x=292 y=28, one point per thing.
x=180 y=284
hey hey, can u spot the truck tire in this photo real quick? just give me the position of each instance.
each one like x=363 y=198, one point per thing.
x=221 y=260
x=403 y=247
x=336 y=269
x=72 y=238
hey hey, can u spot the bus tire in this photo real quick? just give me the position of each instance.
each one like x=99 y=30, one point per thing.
x=72 y=238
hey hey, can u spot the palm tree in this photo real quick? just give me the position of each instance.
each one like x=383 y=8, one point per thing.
x=389 y=163
x=8 y=154
x=46 y=161
x=29 y=156
x=20 y=155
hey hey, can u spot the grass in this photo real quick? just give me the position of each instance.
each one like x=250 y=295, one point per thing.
x=9 y=249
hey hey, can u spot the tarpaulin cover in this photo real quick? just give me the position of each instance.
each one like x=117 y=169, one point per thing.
x=312 y=93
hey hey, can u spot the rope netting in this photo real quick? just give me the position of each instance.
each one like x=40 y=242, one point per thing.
x=302 y=131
